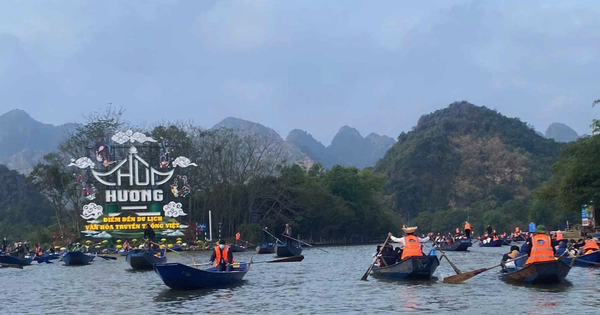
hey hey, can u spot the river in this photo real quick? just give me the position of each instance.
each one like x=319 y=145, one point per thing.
x=321 y=284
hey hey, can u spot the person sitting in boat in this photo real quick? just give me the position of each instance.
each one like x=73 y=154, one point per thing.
x=78 y=248
x=514 y=253
x=412 y=244
x=222 y=256
x=590 y=246
x=38 y=250
x=541 y=246
x=562 y=248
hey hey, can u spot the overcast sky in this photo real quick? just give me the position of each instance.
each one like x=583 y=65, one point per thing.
x=315 y=65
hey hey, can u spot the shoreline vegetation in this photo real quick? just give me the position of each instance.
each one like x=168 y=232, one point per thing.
x=462 y=162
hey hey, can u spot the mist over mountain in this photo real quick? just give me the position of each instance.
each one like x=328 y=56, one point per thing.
x=561 y=133
x=24 y=141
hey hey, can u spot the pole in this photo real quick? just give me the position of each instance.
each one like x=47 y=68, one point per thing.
x=210 y=225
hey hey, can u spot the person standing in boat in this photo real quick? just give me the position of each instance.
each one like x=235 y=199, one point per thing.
x=149 y=235
x=467 y=229
x=237 y=238
x=222 y=256
x=288 y=232
x=266 y=236
x=489 y=230
x=541 y=247
x=412 y=244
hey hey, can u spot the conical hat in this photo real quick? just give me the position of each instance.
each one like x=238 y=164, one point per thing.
x=410 y=229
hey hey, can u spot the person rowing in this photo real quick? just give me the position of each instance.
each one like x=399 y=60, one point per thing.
x=412 y=244
x=540 y=249
x=222 y=256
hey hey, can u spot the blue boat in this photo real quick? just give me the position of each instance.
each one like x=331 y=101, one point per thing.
x=46 y=258
x=593 y=257
x=14 y=260
x=410 y=268
x=496 y=243
x=141 y=259
x=265 y=248
x=77 y=258
x=459 y=245
x=289 y=249
x=183 y=277
x=547 y=272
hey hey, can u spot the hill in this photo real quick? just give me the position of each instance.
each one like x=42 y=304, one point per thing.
x=561 y=133
x=467 y=161
x=24 y=140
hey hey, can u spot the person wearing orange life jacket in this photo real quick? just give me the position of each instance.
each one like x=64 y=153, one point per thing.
x=590 y=246
x=559 y=236
x=541 y=248
x=495 y=238
x=38 y=250
x=237 y=238
x=412 y=243
x=467 y=229
x=222 y=257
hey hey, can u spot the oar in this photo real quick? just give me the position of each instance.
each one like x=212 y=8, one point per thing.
x=448 y=260
x=366 y=275
x=460 y=278
x=11 y=266
x=273 y=236
x=106 y=257
x=301 y=242
x=178 y=253
x=247 y=242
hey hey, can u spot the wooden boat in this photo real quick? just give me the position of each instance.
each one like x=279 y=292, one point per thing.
x=410 y=268
x=288 y=249
x=176 y=248
x=506 y=241
x=237 y=248
x=265 y=248
x=593 y=257
x=141 y=259
x=496 y=243
x=459 y=245
x=183 y=277
x=77 y=258
x=547 y=272
x=15 y=260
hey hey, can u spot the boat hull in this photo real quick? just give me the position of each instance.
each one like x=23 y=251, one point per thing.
x=458 y=246
x=591 y=257
x=77 y=258
x=265 y=249
x=140 y=259
x=288 y=250
x=496 y=243
x=13 y=260
x=182 y=277
x=548 y=272
x=411 y=268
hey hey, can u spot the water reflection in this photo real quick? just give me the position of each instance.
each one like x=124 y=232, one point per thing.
x=169 y=295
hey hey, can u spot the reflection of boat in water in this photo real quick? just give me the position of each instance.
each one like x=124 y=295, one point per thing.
x=140 y=259
x=459 y=245
x=546 y=272
x=421 y=267
x=183 y=277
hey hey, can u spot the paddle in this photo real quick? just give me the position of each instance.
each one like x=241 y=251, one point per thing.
x=273 y=237
x=368 y=272
x=106 y=257
x=460 y=278
x=301 y=242
x=448 y=260
x=284 y=259
x=11 y=266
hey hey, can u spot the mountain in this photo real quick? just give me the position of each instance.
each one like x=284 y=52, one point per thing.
x=467 y=161
x=561 y=133
x=348 y=147
x=24 y=140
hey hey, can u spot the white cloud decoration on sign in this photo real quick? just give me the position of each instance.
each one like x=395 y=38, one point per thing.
x=124 y=136
x=82 y=163
x=183 y=162
x=91 y=211
x=173 y=209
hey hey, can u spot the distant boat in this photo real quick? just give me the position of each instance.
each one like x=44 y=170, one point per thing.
x=410 y=268
x=14 y=260
x=237 y=248
x=459 y=245
x=183 y=277
x=288 y=249
x=547 y=272
x=141 y=259
x=265 y=248
x=77 y=258
x=496 y=243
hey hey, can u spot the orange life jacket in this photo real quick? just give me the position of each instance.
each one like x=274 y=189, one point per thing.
x=590 y=245
x=467 y=226
x=495 y=238
x=224 y=251
x=237 y=236
x=541 y=249
x=559 y=236
x=412 y=247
